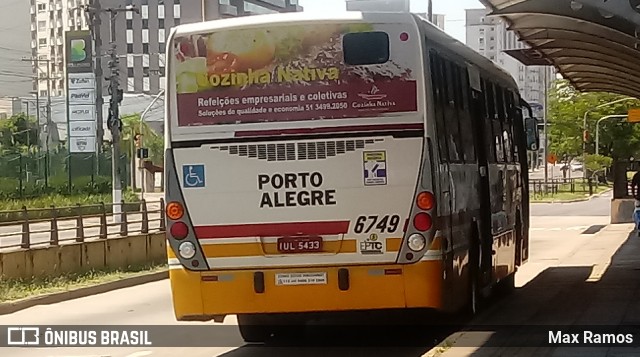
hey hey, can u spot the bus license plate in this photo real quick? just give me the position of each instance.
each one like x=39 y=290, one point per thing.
x=299 y=244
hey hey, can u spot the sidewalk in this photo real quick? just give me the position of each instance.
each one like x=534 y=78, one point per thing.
x=597 y=284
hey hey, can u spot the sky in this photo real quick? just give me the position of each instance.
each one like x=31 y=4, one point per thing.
x=452 y=9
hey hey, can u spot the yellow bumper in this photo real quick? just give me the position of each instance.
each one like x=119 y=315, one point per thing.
x=200 y=294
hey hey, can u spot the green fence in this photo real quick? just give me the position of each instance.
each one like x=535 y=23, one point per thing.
x=37 y=174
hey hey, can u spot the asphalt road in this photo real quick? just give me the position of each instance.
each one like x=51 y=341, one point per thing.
x=597 y=206
x=553 y=238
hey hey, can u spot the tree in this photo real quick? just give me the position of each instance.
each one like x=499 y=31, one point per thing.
x=618 y=138
x=132 y=125
x=18 y=132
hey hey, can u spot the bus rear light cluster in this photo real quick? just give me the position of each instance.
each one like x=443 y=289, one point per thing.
x=422 y=222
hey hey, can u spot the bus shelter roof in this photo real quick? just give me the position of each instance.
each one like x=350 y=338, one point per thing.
x=594 y=44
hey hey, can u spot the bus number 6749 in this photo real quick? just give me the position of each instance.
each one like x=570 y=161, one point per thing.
x=386 y=224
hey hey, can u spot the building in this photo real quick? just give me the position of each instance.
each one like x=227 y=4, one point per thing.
x=140 y=37
x=142 y=44
x=490 y=37
x=50 y=19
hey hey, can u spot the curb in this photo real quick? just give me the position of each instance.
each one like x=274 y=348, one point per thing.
x=446 y=344
x=54 y=298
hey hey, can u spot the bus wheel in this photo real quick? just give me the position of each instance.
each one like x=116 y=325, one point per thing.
x=253 y=328
x=507 y=285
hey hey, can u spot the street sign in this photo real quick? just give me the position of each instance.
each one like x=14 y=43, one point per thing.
x=552 y=159
x=634 y=115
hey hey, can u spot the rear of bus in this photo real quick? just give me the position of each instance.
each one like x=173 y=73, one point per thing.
x=297 y=177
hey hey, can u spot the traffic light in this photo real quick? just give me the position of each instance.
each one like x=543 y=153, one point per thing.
x=137 y=139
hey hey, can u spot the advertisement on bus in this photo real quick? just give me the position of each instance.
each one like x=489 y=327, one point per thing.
x=293 y=73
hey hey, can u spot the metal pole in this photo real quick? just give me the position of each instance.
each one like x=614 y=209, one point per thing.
x=49 y=122
x=430 y=11
x=142 y=121
x=584 y=127
x=546 y=136
x=115 y=124
x=598 y=130
x=95 y=12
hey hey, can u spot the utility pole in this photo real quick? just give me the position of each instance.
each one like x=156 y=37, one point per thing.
x=114 y=122
x=95 y=24
x=430 y=11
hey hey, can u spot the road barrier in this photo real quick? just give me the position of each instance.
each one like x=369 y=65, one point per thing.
x=57 y=246
x=100 y=223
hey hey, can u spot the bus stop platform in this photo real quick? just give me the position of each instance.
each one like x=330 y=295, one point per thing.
x=593 y=293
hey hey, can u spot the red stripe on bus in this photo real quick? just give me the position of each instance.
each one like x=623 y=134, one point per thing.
x=272 y=229
x=339 y=129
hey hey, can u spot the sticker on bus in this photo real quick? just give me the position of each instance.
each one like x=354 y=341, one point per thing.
x=372 y=245
x=193 y=176
x=375 y=168
x=294 y=73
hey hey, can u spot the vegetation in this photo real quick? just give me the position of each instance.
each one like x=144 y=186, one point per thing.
x=9 y=209
x=15 y=289
x=132 y=125
x=18 y=133
x=618 y=138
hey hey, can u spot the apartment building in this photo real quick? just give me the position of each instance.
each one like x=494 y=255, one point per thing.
x=140 y=37
x=490 y=37
x=50 y=19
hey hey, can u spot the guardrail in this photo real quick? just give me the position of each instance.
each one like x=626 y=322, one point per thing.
x=555 y=186
x=54 y=230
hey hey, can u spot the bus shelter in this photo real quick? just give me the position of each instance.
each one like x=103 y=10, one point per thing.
x=595 y=44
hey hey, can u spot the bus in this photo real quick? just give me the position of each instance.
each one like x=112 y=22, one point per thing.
x=331 y=164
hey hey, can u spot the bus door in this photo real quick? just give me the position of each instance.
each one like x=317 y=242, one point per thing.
x=483 y=150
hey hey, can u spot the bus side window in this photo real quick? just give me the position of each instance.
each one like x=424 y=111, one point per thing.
x=487 y=92
x=438 y=105
x=503 y=117
x=465 y=117
x=495 y=122
x=510 y=118
x=451 y=121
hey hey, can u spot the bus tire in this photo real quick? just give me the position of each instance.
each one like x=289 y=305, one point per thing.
x=507 y=285
x=253 y=328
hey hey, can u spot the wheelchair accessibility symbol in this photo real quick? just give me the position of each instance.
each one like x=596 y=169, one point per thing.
x=193 y=176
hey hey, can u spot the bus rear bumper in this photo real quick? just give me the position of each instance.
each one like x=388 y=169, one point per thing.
x=202 y=296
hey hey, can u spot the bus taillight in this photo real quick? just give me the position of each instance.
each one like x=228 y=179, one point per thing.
x=425 y=201
x=174 y=210
x=179 y=230
x=422 y=222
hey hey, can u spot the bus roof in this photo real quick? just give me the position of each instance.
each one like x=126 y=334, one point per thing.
x=486 y=66
x=434 y=33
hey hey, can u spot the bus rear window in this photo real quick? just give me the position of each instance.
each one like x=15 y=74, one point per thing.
x=365 y=48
